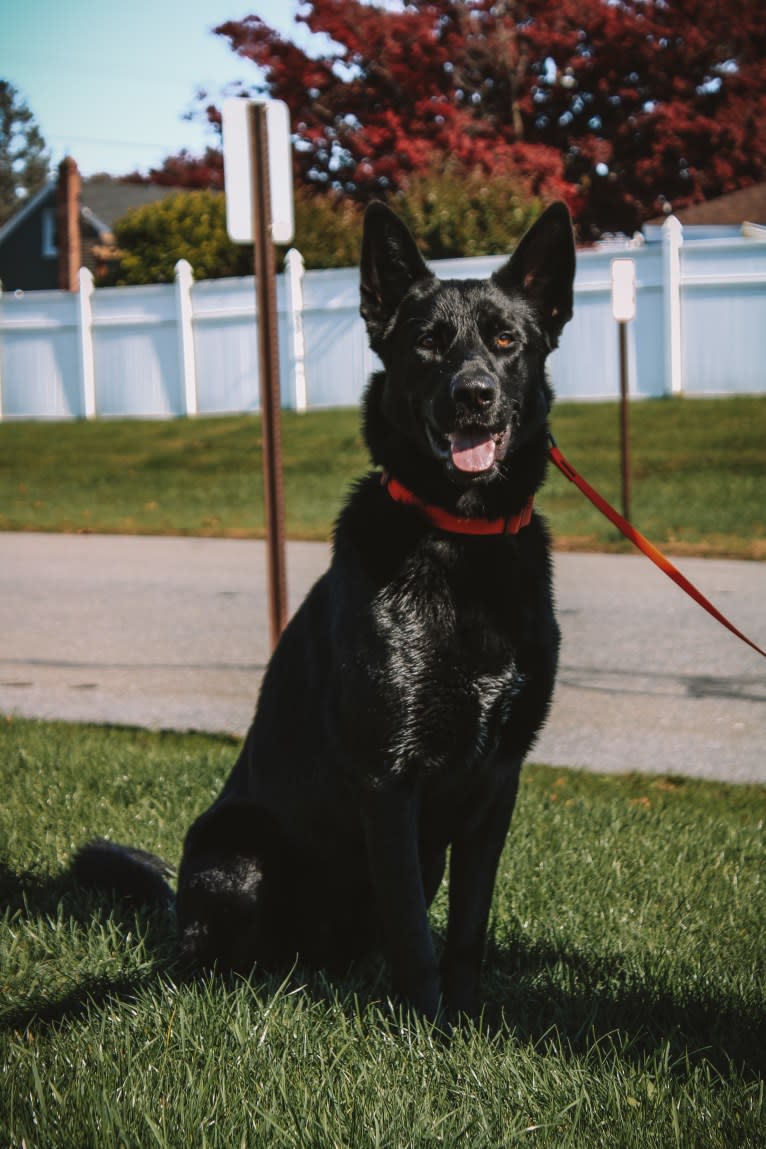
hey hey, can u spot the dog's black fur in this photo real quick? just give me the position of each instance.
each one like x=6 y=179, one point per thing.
x=404 y=694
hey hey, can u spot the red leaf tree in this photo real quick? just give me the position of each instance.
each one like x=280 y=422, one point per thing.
x=396 y=90
x=625 y=107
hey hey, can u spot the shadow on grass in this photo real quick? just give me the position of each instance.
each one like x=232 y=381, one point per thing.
x=29 y=896
x=536 y=990
x=536 y=994
x=22 y=889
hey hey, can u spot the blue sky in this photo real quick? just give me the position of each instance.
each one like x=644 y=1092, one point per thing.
x=109 y=83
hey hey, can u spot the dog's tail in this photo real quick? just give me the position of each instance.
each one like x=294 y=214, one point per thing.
x=135 y=876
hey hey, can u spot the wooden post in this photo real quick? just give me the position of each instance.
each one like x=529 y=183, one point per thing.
x=268 y=367
x=624 y=309
x=624 y=429
x=1 y=350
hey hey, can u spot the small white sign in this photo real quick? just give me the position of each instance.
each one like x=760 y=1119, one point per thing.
x=238 y=174
x=623 y=289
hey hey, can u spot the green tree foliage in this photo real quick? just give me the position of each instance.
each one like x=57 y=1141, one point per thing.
x=24 y=160
x=452 y=213
x=455 y=213
x=328 y=229
x=190 y=225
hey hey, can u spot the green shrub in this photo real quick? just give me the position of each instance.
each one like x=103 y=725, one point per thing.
x=452 y=212
x=189 y=225
x=455 y=213
x=328 y=229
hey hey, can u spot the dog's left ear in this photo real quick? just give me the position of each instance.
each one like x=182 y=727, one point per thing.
x=542 y=269
x=390 y=265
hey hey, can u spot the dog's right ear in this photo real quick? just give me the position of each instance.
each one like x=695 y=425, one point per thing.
x=390 y=264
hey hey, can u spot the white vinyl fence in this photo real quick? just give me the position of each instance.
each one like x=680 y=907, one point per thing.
x=190 y=348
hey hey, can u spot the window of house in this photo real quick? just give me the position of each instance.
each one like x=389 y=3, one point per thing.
x=50 y=237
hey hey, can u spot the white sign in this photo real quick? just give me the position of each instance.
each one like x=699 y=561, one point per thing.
x=238 y=173
x=623 y=290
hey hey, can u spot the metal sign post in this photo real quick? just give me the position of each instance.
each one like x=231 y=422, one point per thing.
x=259 y=210
x=623 y=310
x=268 y=367
x=622 y=328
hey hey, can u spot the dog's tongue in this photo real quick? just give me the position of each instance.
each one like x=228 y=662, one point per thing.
x=472 y=451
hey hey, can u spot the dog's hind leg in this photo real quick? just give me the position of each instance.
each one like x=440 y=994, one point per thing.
x=233 y=892
x=220 y=913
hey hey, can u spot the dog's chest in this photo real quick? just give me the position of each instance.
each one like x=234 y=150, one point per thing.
x=454 y=638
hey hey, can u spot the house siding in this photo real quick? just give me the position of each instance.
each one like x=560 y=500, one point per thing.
x=23 y=267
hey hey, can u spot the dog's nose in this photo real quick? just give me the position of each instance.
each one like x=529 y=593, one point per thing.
x=473 y=392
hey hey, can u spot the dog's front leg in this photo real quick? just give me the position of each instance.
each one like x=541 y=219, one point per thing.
x=473 y=866
x=390 y=821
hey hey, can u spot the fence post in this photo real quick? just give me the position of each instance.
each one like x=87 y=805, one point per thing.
x=294 y=271
x=1 y=350
x=85 y=342
x=184 y=278
x=672 y=241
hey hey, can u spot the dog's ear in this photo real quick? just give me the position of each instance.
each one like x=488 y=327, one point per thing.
x=542 y=269
x=390 y=264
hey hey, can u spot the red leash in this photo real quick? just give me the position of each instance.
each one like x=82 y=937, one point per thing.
x=643 y=544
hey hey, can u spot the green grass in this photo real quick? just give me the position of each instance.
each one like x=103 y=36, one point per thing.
x=698 y=470
x=625 y=980
x=188 y=477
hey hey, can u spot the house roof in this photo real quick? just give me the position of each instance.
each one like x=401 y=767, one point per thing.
x=734 y=208
x=107 y=199
x=103 y=200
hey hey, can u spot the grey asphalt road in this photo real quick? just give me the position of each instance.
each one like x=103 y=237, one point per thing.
x=172 y=634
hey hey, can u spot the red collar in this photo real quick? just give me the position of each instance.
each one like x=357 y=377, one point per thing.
x=454 y=523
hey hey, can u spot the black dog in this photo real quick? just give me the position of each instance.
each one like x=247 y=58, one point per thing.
x=404 y=694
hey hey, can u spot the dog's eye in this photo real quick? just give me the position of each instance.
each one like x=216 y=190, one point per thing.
x=427 y=342
x=502 y=341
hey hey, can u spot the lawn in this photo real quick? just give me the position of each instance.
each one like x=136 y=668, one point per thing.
x=698 y=475
x=625 y=980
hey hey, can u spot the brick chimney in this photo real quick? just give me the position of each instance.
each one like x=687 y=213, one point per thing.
x=68 y=224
